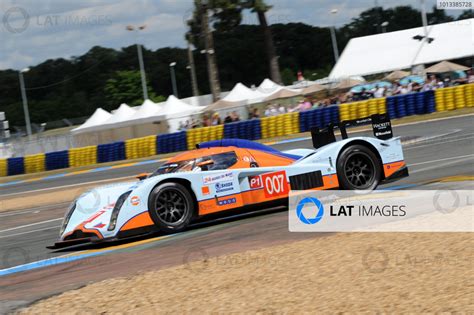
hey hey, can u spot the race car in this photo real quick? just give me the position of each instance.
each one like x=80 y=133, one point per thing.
x=231 y=174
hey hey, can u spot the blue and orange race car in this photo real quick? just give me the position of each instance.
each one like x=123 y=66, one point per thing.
x=231 y=174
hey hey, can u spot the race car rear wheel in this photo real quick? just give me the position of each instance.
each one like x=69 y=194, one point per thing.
x=358 y=168
x=171 y=207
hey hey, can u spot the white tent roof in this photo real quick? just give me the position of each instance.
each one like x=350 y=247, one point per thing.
x=398 y=50
x=275 y=91
x=242 y=93
x=269 y=87
x=123 y=113
x=148 y=109
x=98 y=118
x=173 y=107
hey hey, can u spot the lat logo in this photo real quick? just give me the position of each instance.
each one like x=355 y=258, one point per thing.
x=342 y=211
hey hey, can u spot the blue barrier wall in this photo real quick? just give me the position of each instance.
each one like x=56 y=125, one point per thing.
x=249 y=129
x=110 y=152
x=172 y=142
x=319 y=117
x=56 y=160
x=16 y=166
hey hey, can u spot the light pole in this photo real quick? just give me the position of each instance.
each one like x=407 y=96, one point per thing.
x=173 y=79
x=140 y=58
x=424 y=19
x=333 y=39
x=384 y=26
x=25 y=102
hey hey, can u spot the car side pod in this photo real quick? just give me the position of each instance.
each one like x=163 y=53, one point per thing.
x=381 y=126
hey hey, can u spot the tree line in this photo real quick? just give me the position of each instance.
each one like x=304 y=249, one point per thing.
x=104 y=77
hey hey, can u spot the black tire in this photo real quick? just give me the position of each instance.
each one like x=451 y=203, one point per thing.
x=358 y=168
x=171 y=207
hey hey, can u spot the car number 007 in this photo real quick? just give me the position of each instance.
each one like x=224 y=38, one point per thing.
x=275 y=184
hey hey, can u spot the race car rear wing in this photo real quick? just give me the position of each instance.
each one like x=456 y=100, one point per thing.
x=381 y=126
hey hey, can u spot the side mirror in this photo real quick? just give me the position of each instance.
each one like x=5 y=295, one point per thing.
x=205 y=163
x=142 y=176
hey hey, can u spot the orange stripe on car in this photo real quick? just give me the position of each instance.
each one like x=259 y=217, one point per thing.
x=141 y=220
x=329 y=182
x=390 y=168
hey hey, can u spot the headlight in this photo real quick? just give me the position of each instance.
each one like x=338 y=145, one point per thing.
x=68 y=215
x=116 y=210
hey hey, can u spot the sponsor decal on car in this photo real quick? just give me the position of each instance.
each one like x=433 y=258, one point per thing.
x=224 y=186
x=275 y=184
x=135 y=201
x=255 y=182
x=216 y=178
x=205 y=190
x=228 y=201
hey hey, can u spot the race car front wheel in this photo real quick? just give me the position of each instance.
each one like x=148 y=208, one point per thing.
x=171 y=207
x=358 y=168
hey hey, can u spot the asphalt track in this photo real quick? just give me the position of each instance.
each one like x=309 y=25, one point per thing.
x=433 y=150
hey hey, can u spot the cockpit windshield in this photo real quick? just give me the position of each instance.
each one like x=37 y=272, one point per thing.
x=219 y=161
x=181 y=166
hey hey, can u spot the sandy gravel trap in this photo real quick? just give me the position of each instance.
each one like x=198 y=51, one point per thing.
x=373 y=273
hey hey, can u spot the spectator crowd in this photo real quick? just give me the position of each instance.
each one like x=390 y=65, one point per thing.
x=209 y=120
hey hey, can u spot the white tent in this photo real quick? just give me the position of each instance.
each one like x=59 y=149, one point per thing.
x=176 y=111
x=241 y=93
x=269 y=87
x=399 y=50
x=148 y=111
x=98 y=118
x=201 y=100
x=275 y=91
x=174 y=108
x=123 y=113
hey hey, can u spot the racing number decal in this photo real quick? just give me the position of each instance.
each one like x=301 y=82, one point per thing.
x=275 y=184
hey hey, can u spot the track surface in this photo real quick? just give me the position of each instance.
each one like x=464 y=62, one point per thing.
x=24 y=234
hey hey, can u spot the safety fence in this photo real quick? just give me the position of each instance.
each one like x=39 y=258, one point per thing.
x=269 y=127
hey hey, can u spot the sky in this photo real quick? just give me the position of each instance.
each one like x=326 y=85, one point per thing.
x=34 y=31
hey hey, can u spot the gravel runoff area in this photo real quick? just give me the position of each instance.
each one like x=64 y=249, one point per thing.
x=369 y=273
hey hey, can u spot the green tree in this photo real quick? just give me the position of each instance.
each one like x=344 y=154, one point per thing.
x=260 y=8
x=466 y=14
x=125 y=87
x=438 y=16
x=227 y=15
x=288 y=76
